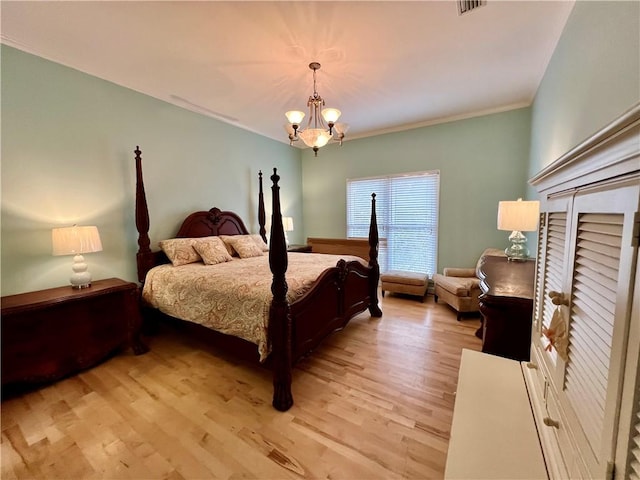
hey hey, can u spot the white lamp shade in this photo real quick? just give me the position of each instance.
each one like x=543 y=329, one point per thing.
x=315 y=137
x=294 y=116
x=75 y=240
x=287 y=224
x=331 y=115
x=518 y=215
x=341 y=128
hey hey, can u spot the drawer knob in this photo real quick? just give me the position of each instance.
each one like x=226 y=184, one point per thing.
x=532 y=366
x=550 y=422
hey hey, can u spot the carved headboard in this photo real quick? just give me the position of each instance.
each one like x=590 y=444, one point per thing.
x=213 y=222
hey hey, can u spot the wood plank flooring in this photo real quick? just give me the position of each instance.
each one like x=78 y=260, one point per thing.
x=374 y=401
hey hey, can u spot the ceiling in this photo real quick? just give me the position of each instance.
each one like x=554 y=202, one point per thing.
x=387 y=66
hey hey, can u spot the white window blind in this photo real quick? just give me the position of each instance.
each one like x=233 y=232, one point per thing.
x=407 y=215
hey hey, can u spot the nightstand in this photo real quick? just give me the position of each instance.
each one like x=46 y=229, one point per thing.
x=49 y=334
x=299 y=248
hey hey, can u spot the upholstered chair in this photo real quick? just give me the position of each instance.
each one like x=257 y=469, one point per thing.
x=460 y=287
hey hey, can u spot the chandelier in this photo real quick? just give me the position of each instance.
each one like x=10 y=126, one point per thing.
x=316 y=134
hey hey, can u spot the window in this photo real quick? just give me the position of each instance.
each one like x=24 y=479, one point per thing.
x=407 y=213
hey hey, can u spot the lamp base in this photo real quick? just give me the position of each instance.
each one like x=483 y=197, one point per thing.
x=81 y=278
x=517 y=251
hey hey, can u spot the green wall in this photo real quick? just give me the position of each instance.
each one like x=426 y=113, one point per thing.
x=481 y=160
x=592 y=78
x=67 y=157
x=68 y=141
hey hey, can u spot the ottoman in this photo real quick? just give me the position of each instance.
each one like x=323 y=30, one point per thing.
x=409 y=283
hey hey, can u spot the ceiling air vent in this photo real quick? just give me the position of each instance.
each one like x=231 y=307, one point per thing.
x=465 y=6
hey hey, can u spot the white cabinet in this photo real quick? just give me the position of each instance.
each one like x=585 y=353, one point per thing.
x=493 y=435
x=585 y=401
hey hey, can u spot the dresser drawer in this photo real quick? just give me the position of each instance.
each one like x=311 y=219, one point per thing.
x=553 y=423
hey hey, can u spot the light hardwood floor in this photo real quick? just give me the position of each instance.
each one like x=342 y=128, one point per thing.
x=374 y=401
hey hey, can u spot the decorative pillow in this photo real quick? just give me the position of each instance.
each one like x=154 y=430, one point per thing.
x=228 y=246
x=180 y=251
x=244 y=245
x=212 y=250
x=261 y=243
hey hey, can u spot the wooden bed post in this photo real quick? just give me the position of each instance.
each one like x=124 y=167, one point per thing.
x=261 y=214
x=279 y=312
x=374 y=308
x=142 y=218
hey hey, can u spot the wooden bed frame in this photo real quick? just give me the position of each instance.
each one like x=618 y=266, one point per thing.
x=295 y=329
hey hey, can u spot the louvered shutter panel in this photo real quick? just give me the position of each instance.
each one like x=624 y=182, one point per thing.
x=554 y=261
x=537 y=312
x=632 y=470
x=634 y=446
x=597 y=258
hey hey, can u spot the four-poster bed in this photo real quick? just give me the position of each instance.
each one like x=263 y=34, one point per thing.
x=295 y=322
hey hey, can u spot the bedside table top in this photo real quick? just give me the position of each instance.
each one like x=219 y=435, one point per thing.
x=42 y=298
x=501 y=278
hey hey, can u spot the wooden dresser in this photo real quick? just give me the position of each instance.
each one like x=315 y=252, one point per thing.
x=52 y=333
x=506 y=304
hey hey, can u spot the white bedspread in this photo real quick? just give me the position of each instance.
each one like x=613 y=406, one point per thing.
x=232 y=297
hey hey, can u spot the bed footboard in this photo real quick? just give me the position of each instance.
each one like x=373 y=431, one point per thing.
x=341 y=293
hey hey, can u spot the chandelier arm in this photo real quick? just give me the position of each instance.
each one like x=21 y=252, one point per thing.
x=310 y=119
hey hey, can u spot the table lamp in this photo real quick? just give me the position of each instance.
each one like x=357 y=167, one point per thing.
x=287 y=225
x=517 y=217
x=76 y=241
